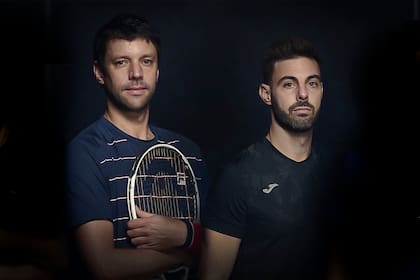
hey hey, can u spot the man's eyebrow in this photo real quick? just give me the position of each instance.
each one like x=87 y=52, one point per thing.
x=286 y=78
x=316 y=76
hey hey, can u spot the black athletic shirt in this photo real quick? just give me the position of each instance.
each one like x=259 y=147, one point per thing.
x=275 y=206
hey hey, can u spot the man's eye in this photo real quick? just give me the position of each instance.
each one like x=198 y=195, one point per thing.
x=289 y=85
x=313 y=84
x=147 y=61
x=120 y=62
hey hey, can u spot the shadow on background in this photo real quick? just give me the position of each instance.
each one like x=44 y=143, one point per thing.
x=31 y=159
x=382 y=235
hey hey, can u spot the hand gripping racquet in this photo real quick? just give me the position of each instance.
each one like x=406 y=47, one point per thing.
x=162 y=182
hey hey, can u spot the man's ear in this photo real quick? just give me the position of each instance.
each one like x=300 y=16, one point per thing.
x=265 y=93
x=98 y=73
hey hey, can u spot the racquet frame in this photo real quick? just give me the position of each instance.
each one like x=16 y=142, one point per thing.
x=131 y=185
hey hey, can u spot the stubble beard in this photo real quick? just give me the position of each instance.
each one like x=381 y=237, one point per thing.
x=123 y=104
x=294 y=124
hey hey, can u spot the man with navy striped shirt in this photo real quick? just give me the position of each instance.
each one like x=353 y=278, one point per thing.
x=100 y=157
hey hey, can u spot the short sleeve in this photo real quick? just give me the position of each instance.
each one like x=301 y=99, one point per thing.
x=226 y=208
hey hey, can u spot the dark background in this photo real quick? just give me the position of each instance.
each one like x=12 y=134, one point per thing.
x=210 y=68
x=209 y=77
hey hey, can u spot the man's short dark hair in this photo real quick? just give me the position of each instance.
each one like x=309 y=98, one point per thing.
x=127 y=27
x=286 y=49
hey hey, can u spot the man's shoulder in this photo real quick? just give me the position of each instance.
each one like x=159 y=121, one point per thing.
x=87 y=133
x=250 y=156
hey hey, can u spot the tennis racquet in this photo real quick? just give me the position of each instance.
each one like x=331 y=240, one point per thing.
x=162 y=182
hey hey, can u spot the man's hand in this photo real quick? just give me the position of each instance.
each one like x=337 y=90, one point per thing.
x=151 y=231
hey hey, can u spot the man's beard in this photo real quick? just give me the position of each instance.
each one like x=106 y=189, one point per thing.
x=290 y=123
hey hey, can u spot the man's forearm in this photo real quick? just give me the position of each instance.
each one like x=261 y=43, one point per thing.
x=135 y=263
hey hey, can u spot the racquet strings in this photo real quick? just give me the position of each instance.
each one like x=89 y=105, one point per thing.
x=165 y=184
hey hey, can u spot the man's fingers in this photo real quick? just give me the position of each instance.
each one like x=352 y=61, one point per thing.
x=142 y=214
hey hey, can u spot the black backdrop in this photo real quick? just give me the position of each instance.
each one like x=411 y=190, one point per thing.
x=211 y=62
x=208 y=85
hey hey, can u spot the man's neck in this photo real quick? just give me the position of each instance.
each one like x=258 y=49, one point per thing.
x=135 y=125
x=296 y=146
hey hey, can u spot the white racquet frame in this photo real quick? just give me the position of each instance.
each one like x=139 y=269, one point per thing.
x=131 y=185
x=181 y=180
